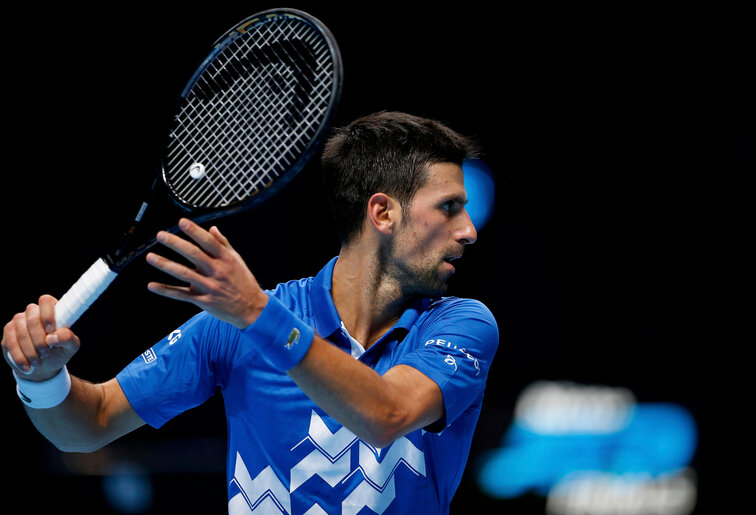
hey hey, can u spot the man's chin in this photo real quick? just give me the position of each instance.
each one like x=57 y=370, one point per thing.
x=438 y=289
x=432 y=283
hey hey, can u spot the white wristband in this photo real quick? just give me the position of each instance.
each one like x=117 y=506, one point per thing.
x=44 y=394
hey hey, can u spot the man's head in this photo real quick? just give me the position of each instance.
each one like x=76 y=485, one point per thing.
x=386 y=152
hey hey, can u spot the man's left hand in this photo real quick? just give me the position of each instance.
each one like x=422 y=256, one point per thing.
x=220 y=282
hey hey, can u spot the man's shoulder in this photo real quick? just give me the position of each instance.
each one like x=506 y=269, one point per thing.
x=294 y=294
x=462 y=307
x=293 y=289
x=460 y=315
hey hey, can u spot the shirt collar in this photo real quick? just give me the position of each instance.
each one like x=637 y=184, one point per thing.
x=327 y=320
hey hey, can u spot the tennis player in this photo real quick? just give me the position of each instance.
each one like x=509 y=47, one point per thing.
x=353 y=391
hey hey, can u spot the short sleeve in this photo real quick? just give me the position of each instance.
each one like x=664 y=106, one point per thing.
x=178 y=373
x=456 y=345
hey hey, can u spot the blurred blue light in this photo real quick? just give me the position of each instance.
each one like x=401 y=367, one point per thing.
x=479 y=183
x=658 y=439
x=128 y=489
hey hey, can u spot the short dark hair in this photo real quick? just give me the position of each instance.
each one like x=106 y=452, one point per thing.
x=387 y=152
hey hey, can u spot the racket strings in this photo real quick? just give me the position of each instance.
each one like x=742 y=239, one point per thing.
x=232 y=138
x=228 y=134
x=228 y=126
x=229 y=161
x=245 y=133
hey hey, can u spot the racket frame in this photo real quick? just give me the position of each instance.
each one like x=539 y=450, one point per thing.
x=102 y=273
x=199 y=214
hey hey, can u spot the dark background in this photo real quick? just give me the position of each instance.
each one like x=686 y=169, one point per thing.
x=620 y=140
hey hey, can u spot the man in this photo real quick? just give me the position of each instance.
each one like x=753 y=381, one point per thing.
x=356 y=390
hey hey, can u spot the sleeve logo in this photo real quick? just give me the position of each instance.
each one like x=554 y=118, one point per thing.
x=174 y=336
x=450 y=359
x=149 y=356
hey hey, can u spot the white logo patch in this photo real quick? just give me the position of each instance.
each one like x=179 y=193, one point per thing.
x=449 y=359
x=174 y=336
x=149 y=356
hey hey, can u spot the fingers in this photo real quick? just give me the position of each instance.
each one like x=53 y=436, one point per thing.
x=210 y=245
x=207 y=241
x=42 y=328
x=36 y=331
x=12 y=350
x=185 y=248
x=30 y=348
x=172 y=292
x=175 y=270
x=47 y=312
x=221 y=283
x=218 y=236
x=24 y=338
x=207 y=245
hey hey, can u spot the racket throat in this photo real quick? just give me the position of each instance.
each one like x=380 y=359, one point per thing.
x=144 y=228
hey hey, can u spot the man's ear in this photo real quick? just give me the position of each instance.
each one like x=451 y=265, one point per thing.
x=383 y=213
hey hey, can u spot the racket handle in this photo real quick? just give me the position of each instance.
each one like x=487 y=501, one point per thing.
x=83 y=293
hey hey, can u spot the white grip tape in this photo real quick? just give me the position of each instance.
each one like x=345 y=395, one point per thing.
x=83 y=293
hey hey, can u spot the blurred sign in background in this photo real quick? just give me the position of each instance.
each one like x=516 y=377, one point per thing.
x=610 y=201
x=594 y=449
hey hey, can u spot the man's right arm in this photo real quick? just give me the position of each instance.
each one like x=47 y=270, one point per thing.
x=91 y=415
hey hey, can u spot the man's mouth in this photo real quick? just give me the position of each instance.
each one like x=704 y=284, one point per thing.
x=449 y=259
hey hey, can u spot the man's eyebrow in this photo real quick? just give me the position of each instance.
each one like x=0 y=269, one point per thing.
x=462 y=199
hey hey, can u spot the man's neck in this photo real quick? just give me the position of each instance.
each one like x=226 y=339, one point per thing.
x=368 y=301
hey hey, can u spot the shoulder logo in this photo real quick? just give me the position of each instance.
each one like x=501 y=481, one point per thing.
x=449 y=358
x=174 y=336
x=149 y=356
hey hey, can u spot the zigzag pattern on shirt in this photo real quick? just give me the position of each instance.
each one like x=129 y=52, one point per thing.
x=365 y=495
x=315 y=510
x=378 y=474
x=263 y=495
x=330 y=444
x=331 y=461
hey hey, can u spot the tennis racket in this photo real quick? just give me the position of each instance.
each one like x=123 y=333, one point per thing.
x=249 y=119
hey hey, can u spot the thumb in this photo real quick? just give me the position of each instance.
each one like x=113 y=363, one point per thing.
x=63 y=338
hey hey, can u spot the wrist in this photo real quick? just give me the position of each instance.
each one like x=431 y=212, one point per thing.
x=283 y=337
x=43 y=394
x=256 y=308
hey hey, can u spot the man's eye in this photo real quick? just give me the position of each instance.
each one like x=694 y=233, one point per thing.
x=450 y=206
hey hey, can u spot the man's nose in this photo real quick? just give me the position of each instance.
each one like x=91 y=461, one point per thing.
x=468 y=234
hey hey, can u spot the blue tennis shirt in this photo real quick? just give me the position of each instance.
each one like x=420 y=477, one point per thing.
x=285 y=454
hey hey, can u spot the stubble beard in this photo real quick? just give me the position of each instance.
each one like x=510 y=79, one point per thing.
x=413 y=279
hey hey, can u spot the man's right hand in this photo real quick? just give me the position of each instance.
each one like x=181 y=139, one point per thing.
x=31 y=342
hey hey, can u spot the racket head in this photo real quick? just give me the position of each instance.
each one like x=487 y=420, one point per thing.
x=253 y=114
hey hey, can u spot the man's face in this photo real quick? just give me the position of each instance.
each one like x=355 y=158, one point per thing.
x=433 y=231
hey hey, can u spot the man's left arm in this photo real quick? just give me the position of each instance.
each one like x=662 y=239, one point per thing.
x=376 y=408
